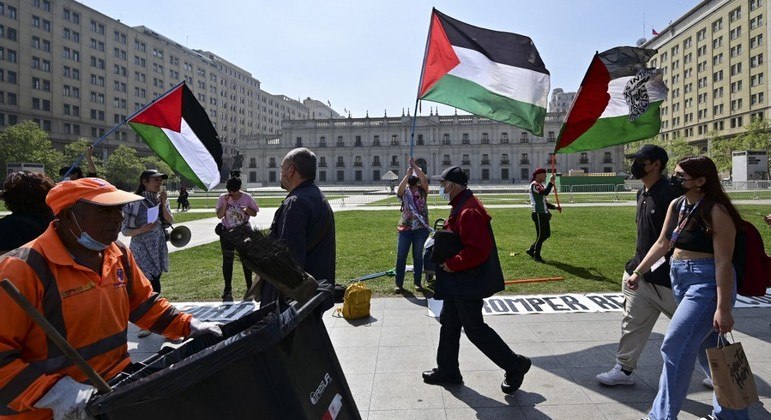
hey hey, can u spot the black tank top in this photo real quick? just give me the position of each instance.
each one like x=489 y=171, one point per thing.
x=694 y=236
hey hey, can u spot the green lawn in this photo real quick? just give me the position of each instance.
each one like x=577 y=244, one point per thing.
x=266 y=201
x=589 y=247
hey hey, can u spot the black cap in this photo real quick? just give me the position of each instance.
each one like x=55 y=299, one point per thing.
x=150 y=173
x=453 y=174
x=651 y=152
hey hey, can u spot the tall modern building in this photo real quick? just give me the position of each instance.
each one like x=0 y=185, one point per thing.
x=77 y=73
x=714 y=61
x=358 y=151
x=560 y=100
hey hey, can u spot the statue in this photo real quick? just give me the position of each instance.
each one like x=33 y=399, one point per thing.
x=238 y=160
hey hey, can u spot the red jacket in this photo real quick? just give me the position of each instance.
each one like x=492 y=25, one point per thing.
x=471 y=224
x=91 y=310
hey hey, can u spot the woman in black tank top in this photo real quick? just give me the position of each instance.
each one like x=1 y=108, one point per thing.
x=701 y=227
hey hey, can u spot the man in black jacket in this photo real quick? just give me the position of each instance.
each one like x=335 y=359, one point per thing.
x=643 y=306
x=305 y=222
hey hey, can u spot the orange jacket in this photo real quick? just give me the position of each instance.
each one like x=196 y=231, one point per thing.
x=91 y=311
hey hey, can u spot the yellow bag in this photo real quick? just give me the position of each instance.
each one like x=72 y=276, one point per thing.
x=356 y=301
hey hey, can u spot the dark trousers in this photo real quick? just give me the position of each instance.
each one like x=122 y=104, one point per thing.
x=467 y=313
x=155 y=281
x=542 y=231
x=228 y=255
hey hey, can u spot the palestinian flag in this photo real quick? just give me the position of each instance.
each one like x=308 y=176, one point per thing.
x=498 y=75
x=178 y=130
x=618 y=102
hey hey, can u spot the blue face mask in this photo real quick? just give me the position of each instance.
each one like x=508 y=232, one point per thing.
x=86 y=240
x=443 y=194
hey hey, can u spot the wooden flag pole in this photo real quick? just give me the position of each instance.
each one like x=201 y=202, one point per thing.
x=554 y=172
x=534 y=280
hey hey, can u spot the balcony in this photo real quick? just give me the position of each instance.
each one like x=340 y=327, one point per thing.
x=524 y=161
x=357 y=144
x=271 y=164
x=465 y=141
x=376 y=143
x=323 y=144
x=583 y=161
x=376 y=163
x=551 y=139
x=394 y=163
x=485 y=161
x=358 y=163
x=340 y=164
x=505 y=140
x=465 y=162
x=524 y=140
x=505 y=162
x=323 y=164
x=340 y=144
x=607 y=160
x=446 y=163
x=485 y=141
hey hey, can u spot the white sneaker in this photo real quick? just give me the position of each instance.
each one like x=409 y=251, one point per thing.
x=708 y=383
x=615 y=377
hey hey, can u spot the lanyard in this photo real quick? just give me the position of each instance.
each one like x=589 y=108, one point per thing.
x=682 y=220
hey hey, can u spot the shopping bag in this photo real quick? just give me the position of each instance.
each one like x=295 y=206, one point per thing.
x=731 y=375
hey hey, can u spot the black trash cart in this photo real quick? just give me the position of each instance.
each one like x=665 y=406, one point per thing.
x=269 y=364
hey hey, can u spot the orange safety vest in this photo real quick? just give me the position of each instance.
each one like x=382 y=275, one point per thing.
x=91 y=311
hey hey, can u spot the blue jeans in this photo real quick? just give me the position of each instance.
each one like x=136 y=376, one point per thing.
x=689 y=334
x=415 y=238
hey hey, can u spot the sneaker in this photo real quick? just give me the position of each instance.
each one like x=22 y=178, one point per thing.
x=615 y=377
x=708 y=416
x=708 y=382
x=513 y=380
x=144 y=333
x=398 y=289
x=418 y=286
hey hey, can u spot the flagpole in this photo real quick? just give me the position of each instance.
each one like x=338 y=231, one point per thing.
x=110 y=131
x=554 y=172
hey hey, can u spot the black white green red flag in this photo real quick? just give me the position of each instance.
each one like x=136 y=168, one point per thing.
x=498 y=75
x=178 y=130
x=618 y=102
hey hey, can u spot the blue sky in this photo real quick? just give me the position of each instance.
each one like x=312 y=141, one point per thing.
x=366 y=55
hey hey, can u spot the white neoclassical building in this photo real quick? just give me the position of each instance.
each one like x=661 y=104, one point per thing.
x=359 y=151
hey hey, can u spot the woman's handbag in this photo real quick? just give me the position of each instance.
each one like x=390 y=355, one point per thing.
x=731 y=375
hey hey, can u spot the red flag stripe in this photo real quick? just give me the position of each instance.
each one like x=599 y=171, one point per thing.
x=591 y=101
x=165 y=113
x=440 y=57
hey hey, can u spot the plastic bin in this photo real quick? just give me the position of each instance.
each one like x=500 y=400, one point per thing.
x=267 y=365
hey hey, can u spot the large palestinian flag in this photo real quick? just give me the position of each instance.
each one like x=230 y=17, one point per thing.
x=498 y=75
x=618 y=102
x=178 y=130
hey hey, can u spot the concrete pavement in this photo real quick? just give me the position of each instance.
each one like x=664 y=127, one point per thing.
x=383 y=356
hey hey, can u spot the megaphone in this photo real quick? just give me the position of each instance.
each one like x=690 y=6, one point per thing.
x=180 y=236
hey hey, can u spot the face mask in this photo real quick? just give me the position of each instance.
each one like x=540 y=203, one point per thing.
x=677 y=182
x=638 y=170
x=443 y=194
x=86 y=240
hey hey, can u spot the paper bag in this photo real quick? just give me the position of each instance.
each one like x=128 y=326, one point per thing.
x=731 y=375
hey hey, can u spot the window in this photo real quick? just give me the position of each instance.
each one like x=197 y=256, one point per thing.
x=734 y=14
x=754 y=4
x=756 y=22
x=717 y=42
x=756 y=41
x=755 y=61
x=701 y=35
x=504 y=138
x=445 y=139
x=735 y=32
x=717 y=25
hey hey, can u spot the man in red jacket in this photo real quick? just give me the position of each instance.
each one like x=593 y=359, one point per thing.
x=463 y=281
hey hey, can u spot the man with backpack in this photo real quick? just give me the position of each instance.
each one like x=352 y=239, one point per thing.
x=463 y=281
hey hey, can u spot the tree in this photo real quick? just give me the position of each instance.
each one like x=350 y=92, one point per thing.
x=28 y=143
x=756 y=136
x=123 y=168
x=74 y=150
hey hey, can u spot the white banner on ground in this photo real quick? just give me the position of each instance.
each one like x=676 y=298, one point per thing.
x=571 y=303
x=216 y=311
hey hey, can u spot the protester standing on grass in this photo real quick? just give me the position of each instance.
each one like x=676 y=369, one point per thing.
x=700 y=228
x=304 y=223
x=413 y=224
x=541 y=215
x=462 y=282
x=234 y=208
x=148 y=238
x=653 y=296
x=182 y=200
x=24 y=194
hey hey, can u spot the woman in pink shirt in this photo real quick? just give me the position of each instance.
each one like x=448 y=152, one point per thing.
x=234 y=208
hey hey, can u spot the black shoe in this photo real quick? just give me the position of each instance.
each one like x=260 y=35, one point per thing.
x=227 y=295
x=530 y=252
x=434 y=377
x=538 y=258
x=513 y=380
